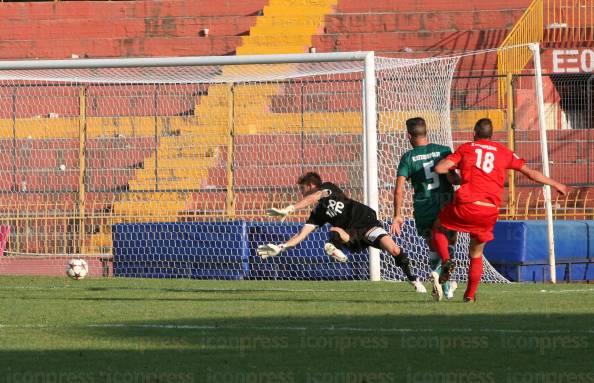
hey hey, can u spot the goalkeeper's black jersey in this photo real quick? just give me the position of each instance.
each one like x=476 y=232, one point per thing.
x=338 y=210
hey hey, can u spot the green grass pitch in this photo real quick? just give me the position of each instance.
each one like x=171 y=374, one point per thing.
x=127 y=330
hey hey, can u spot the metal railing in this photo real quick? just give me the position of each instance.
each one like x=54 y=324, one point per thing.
x=529 y=205
x=552 y=22
x=567 y=21
x=514 y=54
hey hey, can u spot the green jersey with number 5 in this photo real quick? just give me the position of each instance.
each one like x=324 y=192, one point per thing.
x=418 y=166
x=431 y=190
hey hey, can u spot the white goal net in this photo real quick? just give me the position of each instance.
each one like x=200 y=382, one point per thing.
x=166 y=170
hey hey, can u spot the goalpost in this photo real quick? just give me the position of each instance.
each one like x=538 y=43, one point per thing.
x=164 y=167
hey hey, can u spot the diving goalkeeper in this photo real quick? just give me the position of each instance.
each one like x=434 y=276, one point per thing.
x=354 y=226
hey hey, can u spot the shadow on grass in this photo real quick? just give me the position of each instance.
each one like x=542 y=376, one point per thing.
x=395 y=301
x=308 y=348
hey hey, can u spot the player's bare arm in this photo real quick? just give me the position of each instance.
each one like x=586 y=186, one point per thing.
x=537 y=176
x=398 y=220
x=444 y=166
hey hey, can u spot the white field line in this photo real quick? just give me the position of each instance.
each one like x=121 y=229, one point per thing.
x=549 y=291
x=261 y=289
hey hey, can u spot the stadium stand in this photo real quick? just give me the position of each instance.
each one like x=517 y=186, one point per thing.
x=125 y=28
x=406 y=28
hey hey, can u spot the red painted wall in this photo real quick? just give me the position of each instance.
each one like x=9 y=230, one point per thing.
x=124 y=28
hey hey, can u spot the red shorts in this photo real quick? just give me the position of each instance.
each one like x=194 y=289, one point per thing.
x=470 y=218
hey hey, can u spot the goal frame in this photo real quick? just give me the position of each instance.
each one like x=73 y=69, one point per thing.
x=370 y=167
x=369 y=110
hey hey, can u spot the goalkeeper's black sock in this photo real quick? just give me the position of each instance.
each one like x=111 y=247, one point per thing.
x=403 y=262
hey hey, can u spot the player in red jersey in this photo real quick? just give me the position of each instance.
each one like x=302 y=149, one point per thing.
x=482 y=165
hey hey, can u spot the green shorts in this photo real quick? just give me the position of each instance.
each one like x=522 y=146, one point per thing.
x=425 y=214
x=424 y=221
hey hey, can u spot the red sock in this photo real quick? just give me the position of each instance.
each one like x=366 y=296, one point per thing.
x=440 y=243
x=475 y=270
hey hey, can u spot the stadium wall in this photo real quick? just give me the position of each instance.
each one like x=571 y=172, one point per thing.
x=199 y=250
x=196 y=250
x=519 y=252
x=124 y=28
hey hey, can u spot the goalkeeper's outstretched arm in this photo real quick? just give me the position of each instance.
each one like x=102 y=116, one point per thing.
x=306 y=230
x=271 y=250
x=305 y=202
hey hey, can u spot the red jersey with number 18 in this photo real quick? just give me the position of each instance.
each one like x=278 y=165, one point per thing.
x=482 y=167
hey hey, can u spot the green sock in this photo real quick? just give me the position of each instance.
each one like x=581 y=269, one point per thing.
x=434 y=262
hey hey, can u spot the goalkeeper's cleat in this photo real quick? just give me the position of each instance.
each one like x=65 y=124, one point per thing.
x=447 y=268
x=419 y=288
x=283 y=213
x=449 y=288
x=335 y=253
x=469 y=300
x=270 y=250
x=437 y=291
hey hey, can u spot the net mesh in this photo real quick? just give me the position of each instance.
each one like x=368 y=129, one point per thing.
x=167 y=172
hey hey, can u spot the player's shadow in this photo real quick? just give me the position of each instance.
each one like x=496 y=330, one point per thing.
x=399 y=298
x=287 y=346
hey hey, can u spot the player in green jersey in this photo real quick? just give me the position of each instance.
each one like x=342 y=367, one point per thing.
x=431 y=193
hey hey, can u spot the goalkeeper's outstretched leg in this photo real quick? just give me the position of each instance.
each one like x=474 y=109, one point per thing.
x=401 y=259
x=360 y=239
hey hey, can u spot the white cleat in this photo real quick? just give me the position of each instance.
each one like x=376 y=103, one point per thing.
x=453 y=287
x=437 y=292
x=419 y=288
x=335 y=253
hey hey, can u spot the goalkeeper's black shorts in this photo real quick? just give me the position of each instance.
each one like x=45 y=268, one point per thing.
x=360 y=238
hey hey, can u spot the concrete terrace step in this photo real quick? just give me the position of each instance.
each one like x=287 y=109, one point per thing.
x=421 y=21
x=290 y=21
x=395 y=41
x=171 y=174
x=301 y=3
x=183 y=163
x=285 y=30
x=284 y=176
x=263 y=50
x=125 y=27
x=148 y=207
x=357 y=6
x=270 y=10
x=120 y=47
x=181 y=185
x=106 y=9
x=273 y=40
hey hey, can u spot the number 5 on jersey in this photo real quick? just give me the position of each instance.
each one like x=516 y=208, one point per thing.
x=487 y=163
x=430 y=175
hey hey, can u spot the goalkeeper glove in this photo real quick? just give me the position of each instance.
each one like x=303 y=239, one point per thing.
x=271 y=250
x=284 y=212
